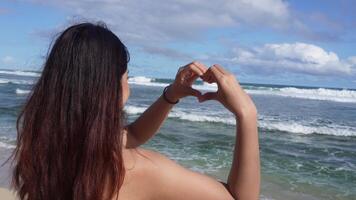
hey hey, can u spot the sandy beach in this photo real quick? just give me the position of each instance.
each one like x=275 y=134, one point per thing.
x=5 y=194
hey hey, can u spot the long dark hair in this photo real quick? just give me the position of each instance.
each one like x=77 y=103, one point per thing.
x=69 y=143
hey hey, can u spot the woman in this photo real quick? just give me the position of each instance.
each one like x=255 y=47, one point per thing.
x=73 y=143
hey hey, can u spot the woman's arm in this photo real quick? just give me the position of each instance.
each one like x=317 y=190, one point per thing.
x=145 y=126
x=244 y=177
x=173 y=181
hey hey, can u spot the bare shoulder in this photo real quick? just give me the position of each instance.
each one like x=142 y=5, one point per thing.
x=140 y=172
x=149 y=153
x=169 y=180
x=147 y=158
x=154 y=158
x=152 y=161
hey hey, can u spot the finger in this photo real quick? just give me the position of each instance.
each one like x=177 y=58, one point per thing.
x=193 y=68
x=192 y=79
x=179 y=71
x=216 y=73
x=180 y=68
x=201 y=66
x=221 y=69
x=208 y=96
x=194 y=92
x=208 y=76
x=210 y=79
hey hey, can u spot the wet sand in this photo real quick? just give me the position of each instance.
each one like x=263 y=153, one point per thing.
x=5 y=194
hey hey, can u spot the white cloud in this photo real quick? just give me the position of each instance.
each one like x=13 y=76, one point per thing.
x=7 y=59
x=352 y=60
x=153 y=22
x=151 y=25
x=294 y=57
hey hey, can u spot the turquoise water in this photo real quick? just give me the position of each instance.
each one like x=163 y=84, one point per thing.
x=307 y=135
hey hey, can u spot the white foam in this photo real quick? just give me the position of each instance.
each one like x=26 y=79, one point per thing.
x=6 y=146
x=206 y=86
x=20 y=73
x=323 y=94
x=184 y=115
x=134 y=109
x=300 y=128
x=200 y=117
x=15 y=81
x=19 y=91
x=265 y=198
x=150 y=84
x=4 y=81
x=264 y=122
x=142 y=80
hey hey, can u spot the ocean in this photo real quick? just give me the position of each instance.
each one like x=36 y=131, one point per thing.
x=307 y=135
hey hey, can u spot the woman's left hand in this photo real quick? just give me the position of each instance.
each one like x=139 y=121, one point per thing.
x=182 y=85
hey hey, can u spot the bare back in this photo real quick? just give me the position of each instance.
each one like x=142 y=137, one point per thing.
x=150 y=175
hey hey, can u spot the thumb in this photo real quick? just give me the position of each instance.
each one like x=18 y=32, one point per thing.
x=193 y=92
x=208 y=96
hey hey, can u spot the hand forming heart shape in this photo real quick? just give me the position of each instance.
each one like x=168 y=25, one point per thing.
x=229 y=92
x=185 y=77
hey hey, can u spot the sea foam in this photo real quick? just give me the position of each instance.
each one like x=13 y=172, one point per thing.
x=20 y=73
x=16 y=81
x=142 y=80
x=5 y=143
x=19 y=91
x=6 y=146
x=298 y=127
x=322 y=94
x=306 y=129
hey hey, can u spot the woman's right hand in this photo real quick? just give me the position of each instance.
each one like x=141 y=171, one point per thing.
x=185 y=77
x=229 y=92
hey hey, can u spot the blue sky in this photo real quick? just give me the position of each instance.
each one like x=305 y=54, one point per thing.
x=261 y=41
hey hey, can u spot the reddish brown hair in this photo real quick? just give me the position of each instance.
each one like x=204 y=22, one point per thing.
x=69 y=143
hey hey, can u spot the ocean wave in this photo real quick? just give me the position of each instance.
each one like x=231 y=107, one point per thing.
x=346 y=96
x=142 y=80
x=5 y=143
x=264 y=123
x=206 y=86
x=15 y=81
x=19 y=91
x=201 y=118
x=306 y=129
x=183 y=115
x=6 y=146
x=20 y=73
x=322 y=94
x=133 y=110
